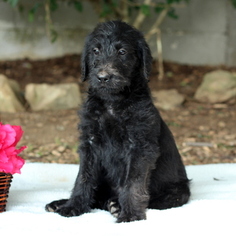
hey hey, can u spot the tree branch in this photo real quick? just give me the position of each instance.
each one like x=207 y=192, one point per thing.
x=157 y=23
x=140 y=17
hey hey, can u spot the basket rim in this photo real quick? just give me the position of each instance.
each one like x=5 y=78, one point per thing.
x=4 y=174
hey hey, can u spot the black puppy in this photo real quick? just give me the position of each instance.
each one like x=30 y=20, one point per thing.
x=128 y=157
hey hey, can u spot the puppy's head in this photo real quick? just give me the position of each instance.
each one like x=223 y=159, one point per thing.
x=114 y=54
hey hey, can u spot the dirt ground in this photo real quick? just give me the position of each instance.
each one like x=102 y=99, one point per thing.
x=204 y=133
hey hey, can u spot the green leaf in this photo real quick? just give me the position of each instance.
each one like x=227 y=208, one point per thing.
x=115 y=3
x=53 y=35
x=175 y=1
x=32 y=11
x=31 y=16
x=78 y=6
x=21 y=8
x=53 y=5
x=171 y=13
x=145 y=9
x=234 y=3
x=12 y=2
x=137 y=8
x=106 y=10
x=158 y=9
x=171 y=1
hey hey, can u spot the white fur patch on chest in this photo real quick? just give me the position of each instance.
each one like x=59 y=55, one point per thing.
x=111 y=110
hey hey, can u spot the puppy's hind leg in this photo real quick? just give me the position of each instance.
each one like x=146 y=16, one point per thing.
x=170 y=195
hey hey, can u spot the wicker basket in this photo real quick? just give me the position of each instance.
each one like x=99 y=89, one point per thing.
x=5 y=183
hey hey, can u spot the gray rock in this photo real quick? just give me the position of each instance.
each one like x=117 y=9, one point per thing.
x=17 y=90
x=9 y=92
x=167 y=99
x=217 y=86
x=53 y=97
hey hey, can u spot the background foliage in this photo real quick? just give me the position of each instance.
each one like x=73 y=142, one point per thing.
x=130 y=11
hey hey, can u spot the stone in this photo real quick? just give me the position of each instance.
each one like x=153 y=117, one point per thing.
x=167 y=99
x=53 y=97
x=61 y=149
x=8 y=96
x=17 y=90
x=217 y=86
x=56 y=153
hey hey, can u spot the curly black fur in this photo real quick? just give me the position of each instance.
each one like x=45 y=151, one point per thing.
x=128 y=157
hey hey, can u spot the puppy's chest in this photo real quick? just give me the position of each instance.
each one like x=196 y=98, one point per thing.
x=108 y=124
x=112 y=121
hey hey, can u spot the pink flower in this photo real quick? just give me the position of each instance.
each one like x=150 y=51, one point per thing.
x=10 y=162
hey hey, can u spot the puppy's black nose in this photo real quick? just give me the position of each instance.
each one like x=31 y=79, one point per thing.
x=103 y=77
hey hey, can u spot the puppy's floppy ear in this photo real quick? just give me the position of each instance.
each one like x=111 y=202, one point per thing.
x=145 y=57
x=84 y=60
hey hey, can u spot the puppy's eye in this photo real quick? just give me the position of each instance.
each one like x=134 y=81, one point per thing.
x=96 y=51
x=122 y=51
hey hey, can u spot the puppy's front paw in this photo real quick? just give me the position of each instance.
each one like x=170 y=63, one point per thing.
x=113 y=207
x=68 y=211
x=55 y=205
x=62 y=208
x=130 y=218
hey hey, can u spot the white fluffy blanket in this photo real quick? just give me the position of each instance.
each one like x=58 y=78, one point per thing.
x=211 y=210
